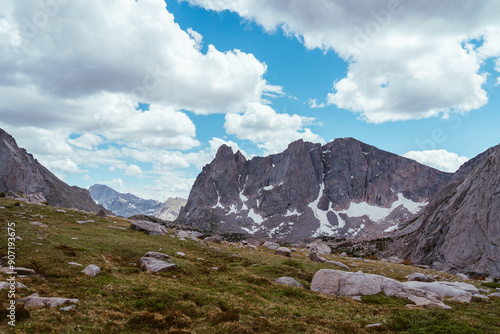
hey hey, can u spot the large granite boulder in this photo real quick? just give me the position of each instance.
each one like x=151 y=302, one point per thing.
x=148 y=227
x=153 y=265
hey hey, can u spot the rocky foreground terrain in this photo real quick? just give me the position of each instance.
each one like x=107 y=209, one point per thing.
x=78 y=272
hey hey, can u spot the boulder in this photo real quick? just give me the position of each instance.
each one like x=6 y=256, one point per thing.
x=316 y=258
x=156 y=255
x=181 y=254
x=462 y=276
x=337 y=283
x=67 y=308
x=494 y=295
x=147 y=227
x=196 y=234
x=283 y=251
x=214 y=239
x=18 y=270
x=153 y=265
x=319 y=246
x=462 y=292
x=91 y=270
x=75 y=264
x=419 y=277
x=338 y=264
x=6 y=285
x=35 y=301
x=271 y=245
x=288 y=281
x=394 y=259
x=182 y=234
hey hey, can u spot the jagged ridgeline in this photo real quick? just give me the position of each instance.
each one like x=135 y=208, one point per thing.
x=23 y=175
x=342 y=189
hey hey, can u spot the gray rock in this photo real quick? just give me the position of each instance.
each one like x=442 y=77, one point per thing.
x=293 y=250
x=337 y=283
x=316 y=258
x=196 y=234
x=462 y=276
x=38 y=224
x=462 y=292
x=148 y=227
x=283 y=251
x=320 y=247
x=394 y=259
x=480 y=296
x=214 y=239
x=338 y=264
x=81 y=222
x=6 y=285
x=494 y=295
x=271 y=245
x=35 y=301
x=75 y=264
x=19 y=271
x=344 y=254
x=91 y=270
x=67 y=308
x=420 y=278
x=153 y=265
x=156 y=255
x=182 y=234
x=288 y=281
x=181 y=254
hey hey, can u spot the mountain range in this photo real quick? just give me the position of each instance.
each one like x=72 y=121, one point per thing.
x=343 y=189
x=127 y=205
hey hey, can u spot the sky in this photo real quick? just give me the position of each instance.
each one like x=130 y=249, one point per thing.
x=139 y=95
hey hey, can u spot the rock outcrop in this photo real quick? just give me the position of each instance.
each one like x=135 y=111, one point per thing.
x=342 y=189
x=460 y=228
x=22 y=174
x=170 y=209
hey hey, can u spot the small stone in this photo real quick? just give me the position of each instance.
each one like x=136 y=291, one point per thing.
x=74 y=238
x=420 y=278
x=462 y=276
x=338 y=264
x=81 y=222
x=38 y=224
x=75 y=264
x=91 y=270
x=67 y=308
x=271 y=245
x=316 y=258
x=153 y=265
x=293 y=250
x=6 y=285
x=494 y=295
x=374 y=325
x=288 y=281
x=283 y=251
x=479 y=296
x=156 y=255
x=344 y=254
x=181 y=254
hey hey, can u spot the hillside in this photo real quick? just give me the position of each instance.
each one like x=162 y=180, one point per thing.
x=24 y=175
x=218 y=288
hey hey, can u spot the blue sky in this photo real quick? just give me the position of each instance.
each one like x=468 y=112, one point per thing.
x=139 y=96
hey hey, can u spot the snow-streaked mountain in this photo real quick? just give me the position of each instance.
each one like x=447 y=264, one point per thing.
x=125 y=205
x=342 y=189
x=170 y=209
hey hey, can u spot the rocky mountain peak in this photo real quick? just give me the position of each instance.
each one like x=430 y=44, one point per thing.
x=343 y=188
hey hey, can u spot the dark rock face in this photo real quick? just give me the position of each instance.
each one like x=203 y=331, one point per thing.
x=460 y=228
x=344 y=188
x=21 y=173
x=125 y=205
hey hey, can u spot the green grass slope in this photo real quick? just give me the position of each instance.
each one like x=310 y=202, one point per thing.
x=218 y=289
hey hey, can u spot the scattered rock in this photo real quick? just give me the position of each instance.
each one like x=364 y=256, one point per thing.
x=154 y=265
x=480 y=296
x=456 y=291
x=374 y=325
x=494 y=295
x=91 y=270
x=271 y=245
x=288 y=281
x=283 y=251
x=35 y=301
x=18 y=270
x=38 y=224
x=61 y=211
x=156 y=255
x=196 y=234
x=338 y=264
x=316 y=258
x=293 y=250
x=6 y=285
x=181 y=254
x=462 y=276
x=394 y=259
x=75 y=264
x=319 y=246
x=214 y=239
x=67 y=308
x=118 y=227
x=182 y=234
x=81 y=222
x=337 y=283
x=147 y=227
x=419 y=277
x=344 y=254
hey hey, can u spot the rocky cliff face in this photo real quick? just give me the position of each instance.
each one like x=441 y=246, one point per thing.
x=460 y=228
x=170 y=209
x=21 y=173
x=125 y=205
x=343 y=189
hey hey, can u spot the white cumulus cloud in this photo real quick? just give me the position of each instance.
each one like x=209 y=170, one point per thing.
x=439 y=159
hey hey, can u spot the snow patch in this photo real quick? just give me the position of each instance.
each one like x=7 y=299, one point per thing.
x=292 y=213
x=257 y=219
x=267 y=188
x=376 y=213
x=322 y=216
x=391 y=228
x=218 y=205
